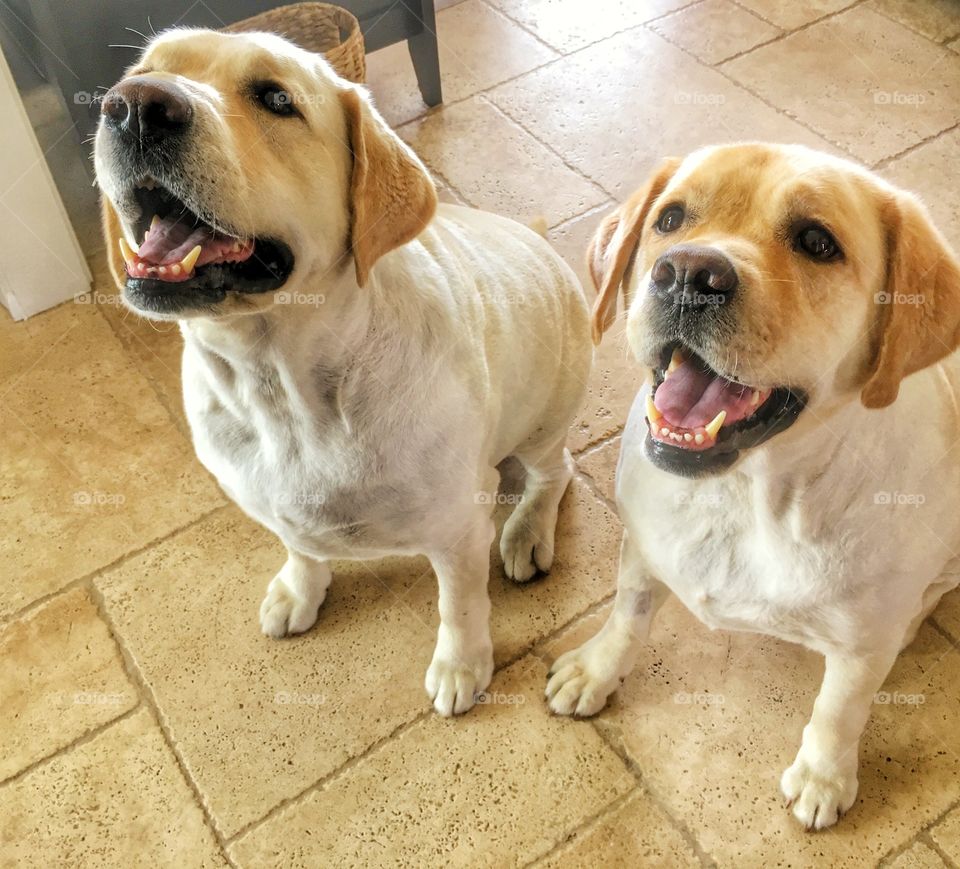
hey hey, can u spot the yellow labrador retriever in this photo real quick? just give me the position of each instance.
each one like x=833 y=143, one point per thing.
x=357 y=359
x=791 y=466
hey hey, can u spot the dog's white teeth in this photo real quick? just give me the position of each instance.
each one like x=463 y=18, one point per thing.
x=715 y=424
x=653 y=414
x=676 y=360
x=154 y=221
x=664 y=431
x=755 y=399
x=688 y=437
x=190 y=260
x=126 y=251
x=175 y=269
x=699 y=438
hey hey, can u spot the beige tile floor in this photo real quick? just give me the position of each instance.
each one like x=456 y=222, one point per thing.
x=145 y=720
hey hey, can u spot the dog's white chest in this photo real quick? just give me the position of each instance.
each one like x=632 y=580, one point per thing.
x=295 y=470
x=731 y=562
x=732 y=571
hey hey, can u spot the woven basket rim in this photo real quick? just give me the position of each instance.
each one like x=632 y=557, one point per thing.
x=307 y=24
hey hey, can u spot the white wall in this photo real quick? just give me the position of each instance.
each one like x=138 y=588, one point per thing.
x=41 y=263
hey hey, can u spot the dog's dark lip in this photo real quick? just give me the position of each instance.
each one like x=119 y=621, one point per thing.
x=268 y=269
x=780 y=410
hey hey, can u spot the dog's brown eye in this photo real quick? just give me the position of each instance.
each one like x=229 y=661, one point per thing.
x=670 y=219
x=817 y=243
x=276 y=99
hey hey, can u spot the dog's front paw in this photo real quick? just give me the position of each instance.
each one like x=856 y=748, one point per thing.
x=283 y=613
x=454 y=681
x=581 y=680
x=819 y=796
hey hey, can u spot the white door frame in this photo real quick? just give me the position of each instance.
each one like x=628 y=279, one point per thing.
x=41 y=264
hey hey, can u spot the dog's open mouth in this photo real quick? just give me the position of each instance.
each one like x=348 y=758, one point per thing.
x=698 y=418
x=182 y=259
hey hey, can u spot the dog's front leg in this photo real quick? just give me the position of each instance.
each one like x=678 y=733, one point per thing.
x=822 y=782
x=462 y=663
x=581 y=680
x=294 y=596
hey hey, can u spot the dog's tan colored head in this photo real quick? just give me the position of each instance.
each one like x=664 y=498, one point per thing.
x=233 y=165
x=762 y=279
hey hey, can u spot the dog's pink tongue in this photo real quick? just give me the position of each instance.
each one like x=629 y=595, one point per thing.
x=692 y=396
x=168 y=241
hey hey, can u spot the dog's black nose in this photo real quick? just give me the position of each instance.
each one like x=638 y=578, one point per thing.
x=694 y=276
x=148 y=108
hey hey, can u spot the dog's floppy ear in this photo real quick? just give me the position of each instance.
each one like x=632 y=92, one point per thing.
x=392 y=195
x=614 y=244
x=112 y=233
x=920 y=305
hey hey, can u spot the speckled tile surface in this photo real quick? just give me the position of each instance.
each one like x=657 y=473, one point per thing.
x=61 y=676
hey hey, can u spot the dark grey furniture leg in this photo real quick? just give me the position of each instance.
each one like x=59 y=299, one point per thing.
x=426 y=57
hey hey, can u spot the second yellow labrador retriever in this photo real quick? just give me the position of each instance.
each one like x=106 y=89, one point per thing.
x=791 y=466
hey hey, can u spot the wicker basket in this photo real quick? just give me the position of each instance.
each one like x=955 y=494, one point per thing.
x=321 y=27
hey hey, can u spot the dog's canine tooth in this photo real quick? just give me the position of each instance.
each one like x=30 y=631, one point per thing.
x=653 y=414
x=154 y=221
x=676 y=360
x=715 y=424
x=755 y=399
x=190 y=260
x=126 y=251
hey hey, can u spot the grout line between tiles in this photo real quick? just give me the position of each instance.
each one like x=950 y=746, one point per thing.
x=429 y=111
x=595 y=490
x=599 y=443
x=887 y=161
x=676 y=11
x=923 y=835
x=331 y=777
x=321 y=783
x=927 y=840
x=606 y=733
x=563 y=54
x=484 y=96
x=538 y=649
x=805 y=26
x=83 y=739
x=519 y=24
x=548 y=147
x=596 y=209
x=485 y=93
x=718 y=68
x=91 y=575
x=877 y=165
x=745 y=51
x=148 y=700
x=586 y=826
x=943 y=43
x=953 y=641
x=175 y=419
